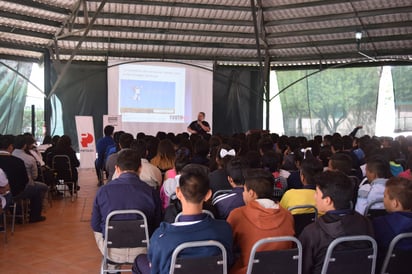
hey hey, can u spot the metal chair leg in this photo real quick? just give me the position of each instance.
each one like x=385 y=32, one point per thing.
x=5 y=226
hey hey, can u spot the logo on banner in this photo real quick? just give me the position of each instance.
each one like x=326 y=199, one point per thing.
x=86 y=139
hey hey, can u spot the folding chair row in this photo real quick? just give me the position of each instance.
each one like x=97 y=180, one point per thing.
x=344 y=254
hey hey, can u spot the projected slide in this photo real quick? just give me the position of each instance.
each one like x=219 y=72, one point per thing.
x=151 y=93
x=159 y=96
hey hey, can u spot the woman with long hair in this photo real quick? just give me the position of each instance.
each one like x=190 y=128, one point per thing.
x=165 y=156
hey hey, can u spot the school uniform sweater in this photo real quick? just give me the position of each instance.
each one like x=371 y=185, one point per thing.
x=168 y=236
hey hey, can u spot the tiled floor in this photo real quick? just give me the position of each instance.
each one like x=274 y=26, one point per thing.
x=64 y=243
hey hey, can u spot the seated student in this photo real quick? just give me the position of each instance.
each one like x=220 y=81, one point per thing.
x=125 y=140
x=218 y=177
x=21 y=186
x=261 y=217
x=226 y=202
x=309 y=167
x=377 y=172
x=334 y=192
x=149 y=173
x=200 y=152
x=193 y=225
x=271 y=161
x=398 y=202
x=343 y=162
x=168 y=189
x=293 y=180
x=125 y=192
x=5 y=194
x=407 y=173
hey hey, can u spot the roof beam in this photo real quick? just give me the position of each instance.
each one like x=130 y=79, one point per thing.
x=74 y=51
x=165 y=43
x=247 y=35
x=333 y=57
x=151 y=55
x=311 y=43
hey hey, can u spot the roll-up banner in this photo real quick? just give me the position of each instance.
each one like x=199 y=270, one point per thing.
x=86 y=139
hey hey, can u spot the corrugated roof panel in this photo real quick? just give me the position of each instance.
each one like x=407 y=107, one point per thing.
x=288 y=40
x=391 y=45
x=312 y=25
x=344 y=48
x=68 y=4
x=84 y=58
x=291 y=13
x=294 y=51
x=23 y=39
x=34 y=12
x=214 y=29
x=27 y=25
x=23 y=53
x=374 y=4
x=334 y=36
x=391 y=31
x=64 y=44
x=386 y=18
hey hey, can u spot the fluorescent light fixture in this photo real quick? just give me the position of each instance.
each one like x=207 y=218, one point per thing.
x=358 y=35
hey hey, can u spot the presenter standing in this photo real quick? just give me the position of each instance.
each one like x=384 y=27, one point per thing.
x=200 y=126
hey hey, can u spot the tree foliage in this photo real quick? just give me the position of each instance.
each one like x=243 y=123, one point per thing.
x=401 y=77
x=335 y=99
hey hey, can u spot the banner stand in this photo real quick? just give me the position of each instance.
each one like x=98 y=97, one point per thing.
x=86 y=139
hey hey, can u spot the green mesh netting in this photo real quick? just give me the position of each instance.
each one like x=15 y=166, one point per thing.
x=13 y=90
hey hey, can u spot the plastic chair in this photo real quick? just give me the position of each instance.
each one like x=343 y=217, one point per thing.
x=372 y=213
x=63 y=174
x=199 y=265
x=303 y=219
x=397 y=261
x=283 y=261
x=203 y=211
x=348 y=259
x=124 y=233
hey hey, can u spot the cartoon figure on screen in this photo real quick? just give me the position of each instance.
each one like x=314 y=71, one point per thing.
x=136 y=96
